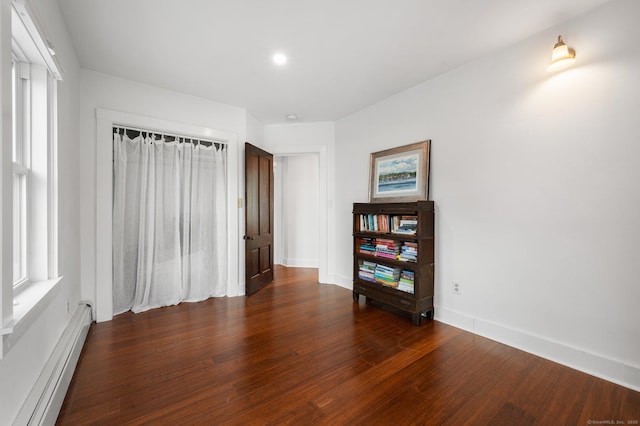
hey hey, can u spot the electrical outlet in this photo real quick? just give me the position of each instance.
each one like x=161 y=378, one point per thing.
x=457 y=287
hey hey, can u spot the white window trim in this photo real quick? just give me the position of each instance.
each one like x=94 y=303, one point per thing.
x=52 y=180
x=44 y=45
x=33 y=296
x=28 y=303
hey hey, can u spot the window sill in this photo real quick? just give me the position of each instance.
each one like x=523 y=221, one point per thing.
x=28 y=303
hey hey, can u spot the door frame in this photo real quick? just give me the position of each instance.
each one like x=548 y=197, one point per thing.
x=106 y=120
x=279 y=186
x=323 y=216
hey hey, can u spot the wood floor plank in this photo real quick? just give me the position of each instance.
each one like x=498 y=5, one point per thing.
x=299 y=352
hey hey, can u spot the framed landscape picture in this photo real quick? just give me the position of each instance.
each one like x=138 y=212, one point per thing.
x=400 y=174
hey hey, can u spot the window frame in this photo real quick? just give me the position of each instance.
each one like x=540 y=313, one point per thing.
x=35 y=73
x=21 y=156
x=22 y=305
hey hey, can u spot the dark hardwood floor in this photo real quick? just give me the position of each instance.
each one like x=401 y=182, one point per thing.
x=298 y=352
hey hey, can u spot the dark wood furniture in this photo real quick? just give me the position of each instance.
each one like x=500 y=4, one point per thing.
x=419 y=304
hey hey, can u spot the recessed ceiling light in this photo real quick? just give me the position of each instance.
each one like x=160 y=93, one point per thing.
x=292 y=117
x=279 y=59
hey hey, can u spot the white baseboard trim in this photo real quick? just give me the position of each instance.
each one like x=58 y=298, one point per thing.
x=596 y=365
x=342 y=281
x=45 y=399
x=300 y=263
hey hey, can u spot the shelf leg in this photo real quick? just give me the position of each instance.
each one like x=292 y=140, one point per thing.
x=416 y=319
x=356 y=296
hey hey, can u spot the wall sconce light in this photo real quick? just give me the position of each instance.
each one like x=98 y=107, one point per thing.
x=561 y=56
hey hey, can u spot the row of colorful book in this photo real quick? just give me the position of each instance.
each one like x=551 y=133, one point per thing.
x=406 y=224
x=386 y=248
x=386 y=275
x=401 y=279
x=409 y=252
x=366 y=271
x=406 y=281
x=367 y=246
x=390 y=249
x=374 y=222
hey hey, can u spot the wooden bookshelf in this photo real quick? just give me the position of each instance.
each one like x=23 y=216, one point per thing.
x=393 y=246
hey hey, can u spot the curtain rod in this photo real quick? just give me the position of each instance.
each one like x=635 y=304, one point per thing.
x=117 y=127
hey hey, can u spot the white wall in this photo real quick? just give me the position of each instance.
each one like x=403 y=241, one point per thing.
x=255 y=131
x=318 y=139
x=255 y=136
x=25 y=361
x=535 y=180
x=297 y=228
x=102 y=91
x=300 y=134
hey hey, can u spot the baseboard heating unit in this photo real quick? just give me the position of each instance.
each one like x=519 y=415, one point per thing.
x=45 y=400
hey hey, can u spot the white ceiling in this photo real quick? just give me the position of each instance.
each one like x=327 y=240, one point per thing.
x=343 y=54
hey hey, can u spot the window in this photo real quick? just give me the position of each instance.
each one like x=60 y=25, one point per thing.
x=34 y=73
x=31 y=176
x=20 y=112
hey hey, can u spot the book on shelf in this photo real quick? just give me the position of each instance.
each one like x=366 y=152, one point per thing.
x=366 y=276
x=407 y=277
x=408 y=252
x=406 y=288
x=367 y=246
x=406 y=281
x=387 y=248
x=386 y=275
x=373 y=222
x=366 y=271
x=400 y=279
x=406 y=225
x=380 y=247
x=384 y=223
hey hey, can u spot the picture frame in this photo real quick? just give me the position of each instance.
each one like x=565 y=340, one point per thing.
x=400 y=174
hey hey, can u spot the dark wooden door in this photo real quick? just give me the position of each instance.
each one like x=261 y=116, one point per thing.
x=258 y=172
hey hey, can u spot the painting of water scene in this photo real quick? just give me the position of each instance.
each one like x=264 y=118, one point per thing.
x=400 y=174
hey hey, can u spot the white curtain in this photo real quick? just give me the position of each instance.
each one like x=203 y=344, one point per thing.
x=169 y=223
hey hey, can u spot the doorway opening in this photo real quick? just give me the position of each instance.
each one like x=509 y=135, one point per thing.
x=297 y=218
